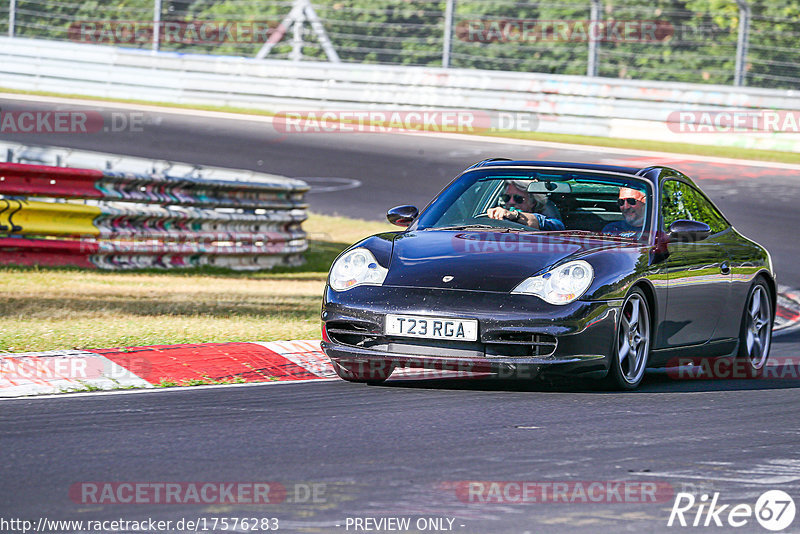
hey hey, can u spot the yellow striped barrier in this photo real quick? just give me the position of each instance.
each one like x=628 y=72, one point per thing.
x=47 y=218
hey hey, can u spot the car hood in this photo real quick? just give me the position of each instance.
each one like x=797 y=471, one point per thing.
x=484 y=261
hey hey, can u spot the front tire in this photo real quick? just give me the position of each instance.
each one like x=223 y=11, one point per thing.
x=631 y=343
x=373 y=372
x=755 y=334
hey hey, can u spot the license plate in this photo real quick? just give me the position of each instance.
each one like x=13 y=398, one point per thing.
x=432 y=327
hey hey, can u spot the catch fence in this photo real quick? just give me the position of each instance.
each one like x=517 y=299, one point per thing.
x=733 y=42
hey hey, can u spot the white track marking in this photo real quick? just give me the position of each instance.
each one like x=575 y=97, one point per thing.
x=152 y=389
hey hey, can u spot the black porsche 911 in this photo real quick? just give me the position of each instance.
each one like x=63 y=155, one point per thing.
x=529 y=268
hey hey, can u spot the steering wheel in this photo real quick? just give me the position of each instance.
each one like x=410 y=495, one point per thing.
x=502 y=223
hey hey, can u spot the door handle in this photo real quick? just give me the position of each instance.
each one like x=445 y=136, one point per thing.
x=725 y=268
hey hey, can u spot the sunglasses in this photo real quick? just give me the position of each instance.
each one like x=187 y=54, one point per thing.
x=630 y=201
x=518 y=199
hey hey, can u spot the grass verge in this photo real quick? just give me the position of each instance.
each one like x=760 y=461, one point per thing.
x=68 y=308
x=585 y=140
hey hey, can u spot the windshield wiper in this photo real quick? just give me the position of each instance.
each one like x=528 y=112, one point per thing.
x=468 y=226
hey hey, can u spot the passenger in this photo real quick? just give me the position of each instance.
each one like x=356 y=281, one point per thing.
x=633 y=205
x=531 y=209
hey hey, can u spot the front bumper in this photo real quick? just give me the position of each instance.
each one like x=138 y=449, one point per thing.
x=519 y=336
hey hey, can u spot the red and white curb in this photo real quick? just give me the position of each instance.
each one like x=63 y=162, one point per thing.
x=304 y=354
x=787 y=316
x=65 y=371
x=42 y=373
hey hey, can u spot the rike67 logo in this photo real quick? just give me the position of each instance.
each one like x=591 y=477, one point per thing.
x=774 y=510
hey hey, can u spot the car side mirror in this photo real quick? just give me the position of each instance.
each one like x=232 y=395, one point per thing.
x=688 y=231
x=402 y=215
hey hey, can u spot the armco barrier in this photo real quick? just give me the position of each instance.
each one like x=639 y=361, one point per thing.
x=553 y=103
x=115 y=219
x=144 y=216
x=56 y=182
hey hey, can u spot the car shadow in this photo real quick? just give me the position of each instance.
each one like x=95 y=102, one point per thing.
x=782 y=376
x=783 y=372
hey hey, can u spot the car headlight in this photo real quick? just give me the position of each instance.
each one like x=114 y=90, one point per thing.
x=561 y=285
x=355 y=268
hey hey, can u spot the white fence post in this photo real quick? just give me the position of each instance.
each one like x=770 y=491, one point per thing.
x=156 y=25
x=740 y=75
x=12 y=16
x=594 y=43
x=449 y=13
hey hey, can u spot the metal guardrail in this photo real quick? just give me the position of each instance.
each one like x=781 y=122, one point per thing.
x=153 y=187
x=171 y=215
x=111 y=220
x=555 y=104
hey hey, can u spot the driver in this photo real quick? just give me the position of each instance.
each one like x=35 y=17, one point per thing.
x=530 y=209
x=632 y=204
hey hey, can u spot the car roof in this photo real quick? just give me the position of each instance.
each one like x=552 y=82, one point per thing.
x=641 y=172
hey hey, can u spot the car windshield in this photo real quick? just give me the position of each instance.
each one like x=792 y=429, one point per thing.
x=558 y=199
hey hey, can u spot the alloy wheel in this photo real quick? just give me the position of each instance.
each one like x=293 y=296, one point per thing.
x=633 y=342
x=757 y=327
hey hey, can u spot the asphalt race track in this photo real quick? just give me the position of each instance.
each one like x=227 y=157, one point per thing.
x=407 y=449
x=390 y=450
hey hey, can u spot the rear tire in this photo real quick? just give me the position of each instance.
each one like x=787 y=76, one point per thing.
x=372 y=372
x=631 y=343
x=755 y=333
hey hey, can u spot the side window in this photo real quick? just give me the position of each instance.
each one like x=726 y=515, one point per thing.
x=672 y=206
x=702 y=210
x=681 y=201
